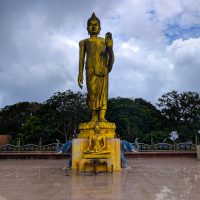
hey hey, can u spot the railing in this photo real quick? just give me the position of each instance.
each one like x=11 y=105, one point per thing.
x=142 y=147
x=28 y=148
x=167 y=147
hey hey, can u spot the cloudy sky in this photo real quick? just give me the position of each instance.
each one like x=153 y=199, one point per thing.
x=156 y=46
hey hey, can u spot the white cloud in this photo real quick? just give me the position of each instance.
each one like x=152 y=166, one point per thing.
x=185 y=54
x=191 y=13
x=140 y=72
x=165 y=10
x=39 y=47
x=127 y=47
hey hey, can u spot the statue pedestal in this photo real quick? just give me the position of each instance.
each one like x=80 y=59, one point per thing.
x=96 y=148
x=107 y=162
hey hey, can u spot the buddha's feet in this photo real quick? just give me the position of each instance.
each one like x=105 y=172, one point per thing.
x=102 y=120
x=94 y=119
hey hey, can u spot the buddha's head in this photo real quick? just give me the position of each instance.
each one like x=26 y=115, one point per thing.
x=97 y=129
x=93 y=25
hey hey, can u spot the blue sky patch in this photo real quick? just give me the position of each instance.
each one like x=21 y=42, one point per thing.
x=175 y=31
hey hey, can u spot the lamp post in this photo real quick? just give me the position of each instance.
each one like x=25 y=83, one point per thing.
x=18 y=144
x=173 y=136
x=40 y=143
x=198 y=146
x=198 y=133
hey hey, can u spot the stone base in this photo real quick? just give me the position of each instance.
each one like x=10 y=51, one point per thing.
x=82 y=161
x=87 y=129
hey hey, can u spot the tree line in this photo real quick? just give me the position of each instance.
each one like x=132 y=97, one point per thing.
x=59 y=117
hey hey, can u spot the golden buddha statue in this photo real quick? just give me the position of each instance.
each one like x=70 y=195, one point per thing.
x=96 y=139
x=99 y=60
x=97 y=143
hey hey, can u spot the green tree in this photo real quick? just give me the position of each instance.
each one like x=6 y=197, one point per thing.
x=58 y=117
x=67 y=110
x=134 y=118
x=14 y=116
x=32 y=130
x=182 y=110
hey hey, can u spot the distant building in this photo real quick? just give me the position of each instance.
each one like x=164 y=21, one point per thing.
x=5 y=139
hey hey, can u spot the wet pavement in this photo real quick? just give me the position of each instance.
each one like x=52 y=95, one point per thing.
x=145 y=179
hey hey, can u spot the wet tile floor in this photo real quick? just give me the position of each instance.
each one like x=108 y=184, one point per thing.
x=145 y=179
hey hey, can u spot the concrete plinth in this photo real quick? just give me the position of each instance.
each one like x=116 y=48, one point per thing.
x=82 y=161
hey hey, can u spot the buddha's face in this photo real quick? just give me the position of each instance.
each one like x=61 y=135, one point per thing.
x=93 y=27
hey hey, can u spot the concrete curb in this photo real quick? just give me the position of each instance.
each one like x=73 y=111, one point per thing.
x=50 y=155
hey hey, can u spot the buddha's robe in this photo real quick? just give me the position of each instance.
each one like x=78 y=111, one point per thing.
x=94 y=49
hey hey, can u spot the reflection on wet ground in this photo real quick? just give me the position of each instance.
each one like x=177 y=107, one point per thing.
x=145 y=179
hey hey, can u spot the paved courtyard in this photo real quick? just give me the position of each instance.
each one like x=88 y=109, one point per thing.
x=145 y=179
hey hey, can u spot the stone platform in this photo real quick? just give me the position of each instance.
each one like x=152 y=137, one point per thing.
x=145 y=178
